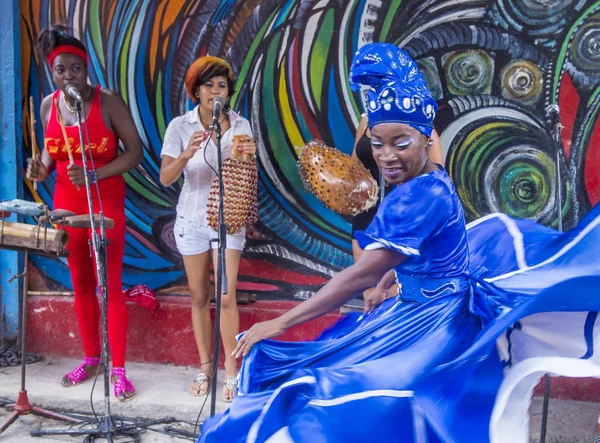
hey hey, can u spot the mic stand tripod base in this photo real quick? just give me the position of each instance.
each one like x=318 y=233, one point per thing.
x=24 y=407
x=182 y=433
x=108 y=429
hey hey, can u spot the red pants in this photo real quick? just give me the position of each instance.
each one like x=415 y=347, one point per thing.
x=82 y=265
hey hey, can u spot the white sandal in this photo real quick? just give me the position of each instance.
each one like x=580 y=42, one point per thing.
x=230 y=383
x=200 y=379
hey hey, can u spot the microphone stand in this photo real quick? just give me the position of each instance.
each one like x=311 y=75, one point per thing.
x=556 y=138
x=220 y=288
x=221 y=280
x=105 y=427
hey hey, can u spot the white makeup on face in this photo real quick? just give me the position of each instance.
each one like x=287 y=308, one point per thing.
x=404 y=143
x=400 y=144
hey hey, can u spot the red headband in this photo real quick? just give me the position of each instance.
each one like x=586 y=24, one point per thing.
x=61 y=49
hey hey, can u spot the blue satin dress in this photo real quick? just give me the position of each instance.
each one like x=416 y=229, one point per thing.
x=449 y=358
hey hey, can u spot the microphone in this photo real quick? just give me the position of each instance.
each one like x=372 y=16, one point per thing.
x=73 y=92
x=217 y=106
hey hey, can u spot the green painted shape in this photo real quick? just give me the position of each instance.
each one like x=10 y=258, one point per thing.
x=123 y=62
x=248 y=61
x=95 y=30
x=318 y=57
x=144 y=191
x=160 y=118
x=389 y=18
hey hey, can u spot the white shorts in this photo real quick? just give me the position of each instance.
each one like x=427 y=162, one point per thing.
x=193 y=239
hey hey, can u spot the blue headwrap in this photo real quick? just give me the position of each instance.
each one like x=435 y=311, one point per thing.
x=397 y=92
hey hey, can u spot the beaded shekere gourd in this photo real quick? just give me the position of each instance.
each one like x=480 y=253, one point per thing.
x=240 y=186
x=339 y=181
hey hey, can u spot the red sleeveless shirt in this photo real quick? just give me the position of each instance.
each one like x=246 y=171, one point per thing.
x=103 y=143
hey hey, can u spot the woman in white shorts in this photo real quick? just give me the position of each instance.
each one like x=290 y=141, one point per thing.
x=186 y=150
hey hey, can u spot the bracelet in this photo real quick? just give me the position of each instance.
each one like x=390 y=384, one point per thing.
x=92 y=175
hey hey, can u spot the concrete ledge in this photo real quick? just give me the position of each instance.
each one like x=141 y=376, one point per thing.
x=161 y=336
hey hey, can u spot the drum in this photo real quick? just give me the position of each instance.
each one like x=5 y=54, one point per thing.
x=41 y=239
x=36 y=239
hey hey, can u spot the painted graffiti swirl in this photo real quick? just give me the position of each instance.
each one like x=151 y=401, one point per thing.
x=493 y=66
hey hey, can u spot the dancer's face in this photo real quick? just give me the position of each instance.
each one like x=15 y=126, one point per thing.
x=400 y=151
x=215 y=87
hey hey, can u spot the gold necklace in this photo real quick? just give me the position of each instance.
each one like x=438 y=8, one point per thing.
x=69 y=108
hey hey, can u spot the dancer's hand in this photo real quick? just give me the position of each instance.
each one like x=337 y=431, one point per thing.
x=374 y=297
x=36 y=170
x=195 y=144
x=386 y=288
x=256 y=333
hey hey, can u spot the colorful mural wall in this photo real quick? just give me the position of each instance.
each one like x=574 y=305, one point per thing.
x=494 y=66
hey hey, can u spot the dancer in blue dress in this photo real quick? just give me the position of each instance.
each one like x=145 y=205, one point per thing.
x=455 y=356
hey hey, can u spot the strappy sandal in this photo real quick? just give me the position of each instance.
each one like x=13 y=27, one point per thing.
x=79 y=374
x=122 y=385
x=195 y=387
x=230 y=383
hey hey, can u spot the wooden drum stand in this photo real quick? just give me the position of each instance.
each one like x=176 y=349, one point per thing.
x=43 y=240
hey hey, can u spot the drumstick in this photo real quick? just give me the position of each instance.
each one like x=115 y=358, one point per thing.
x=34 y=147
x=64 y=133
